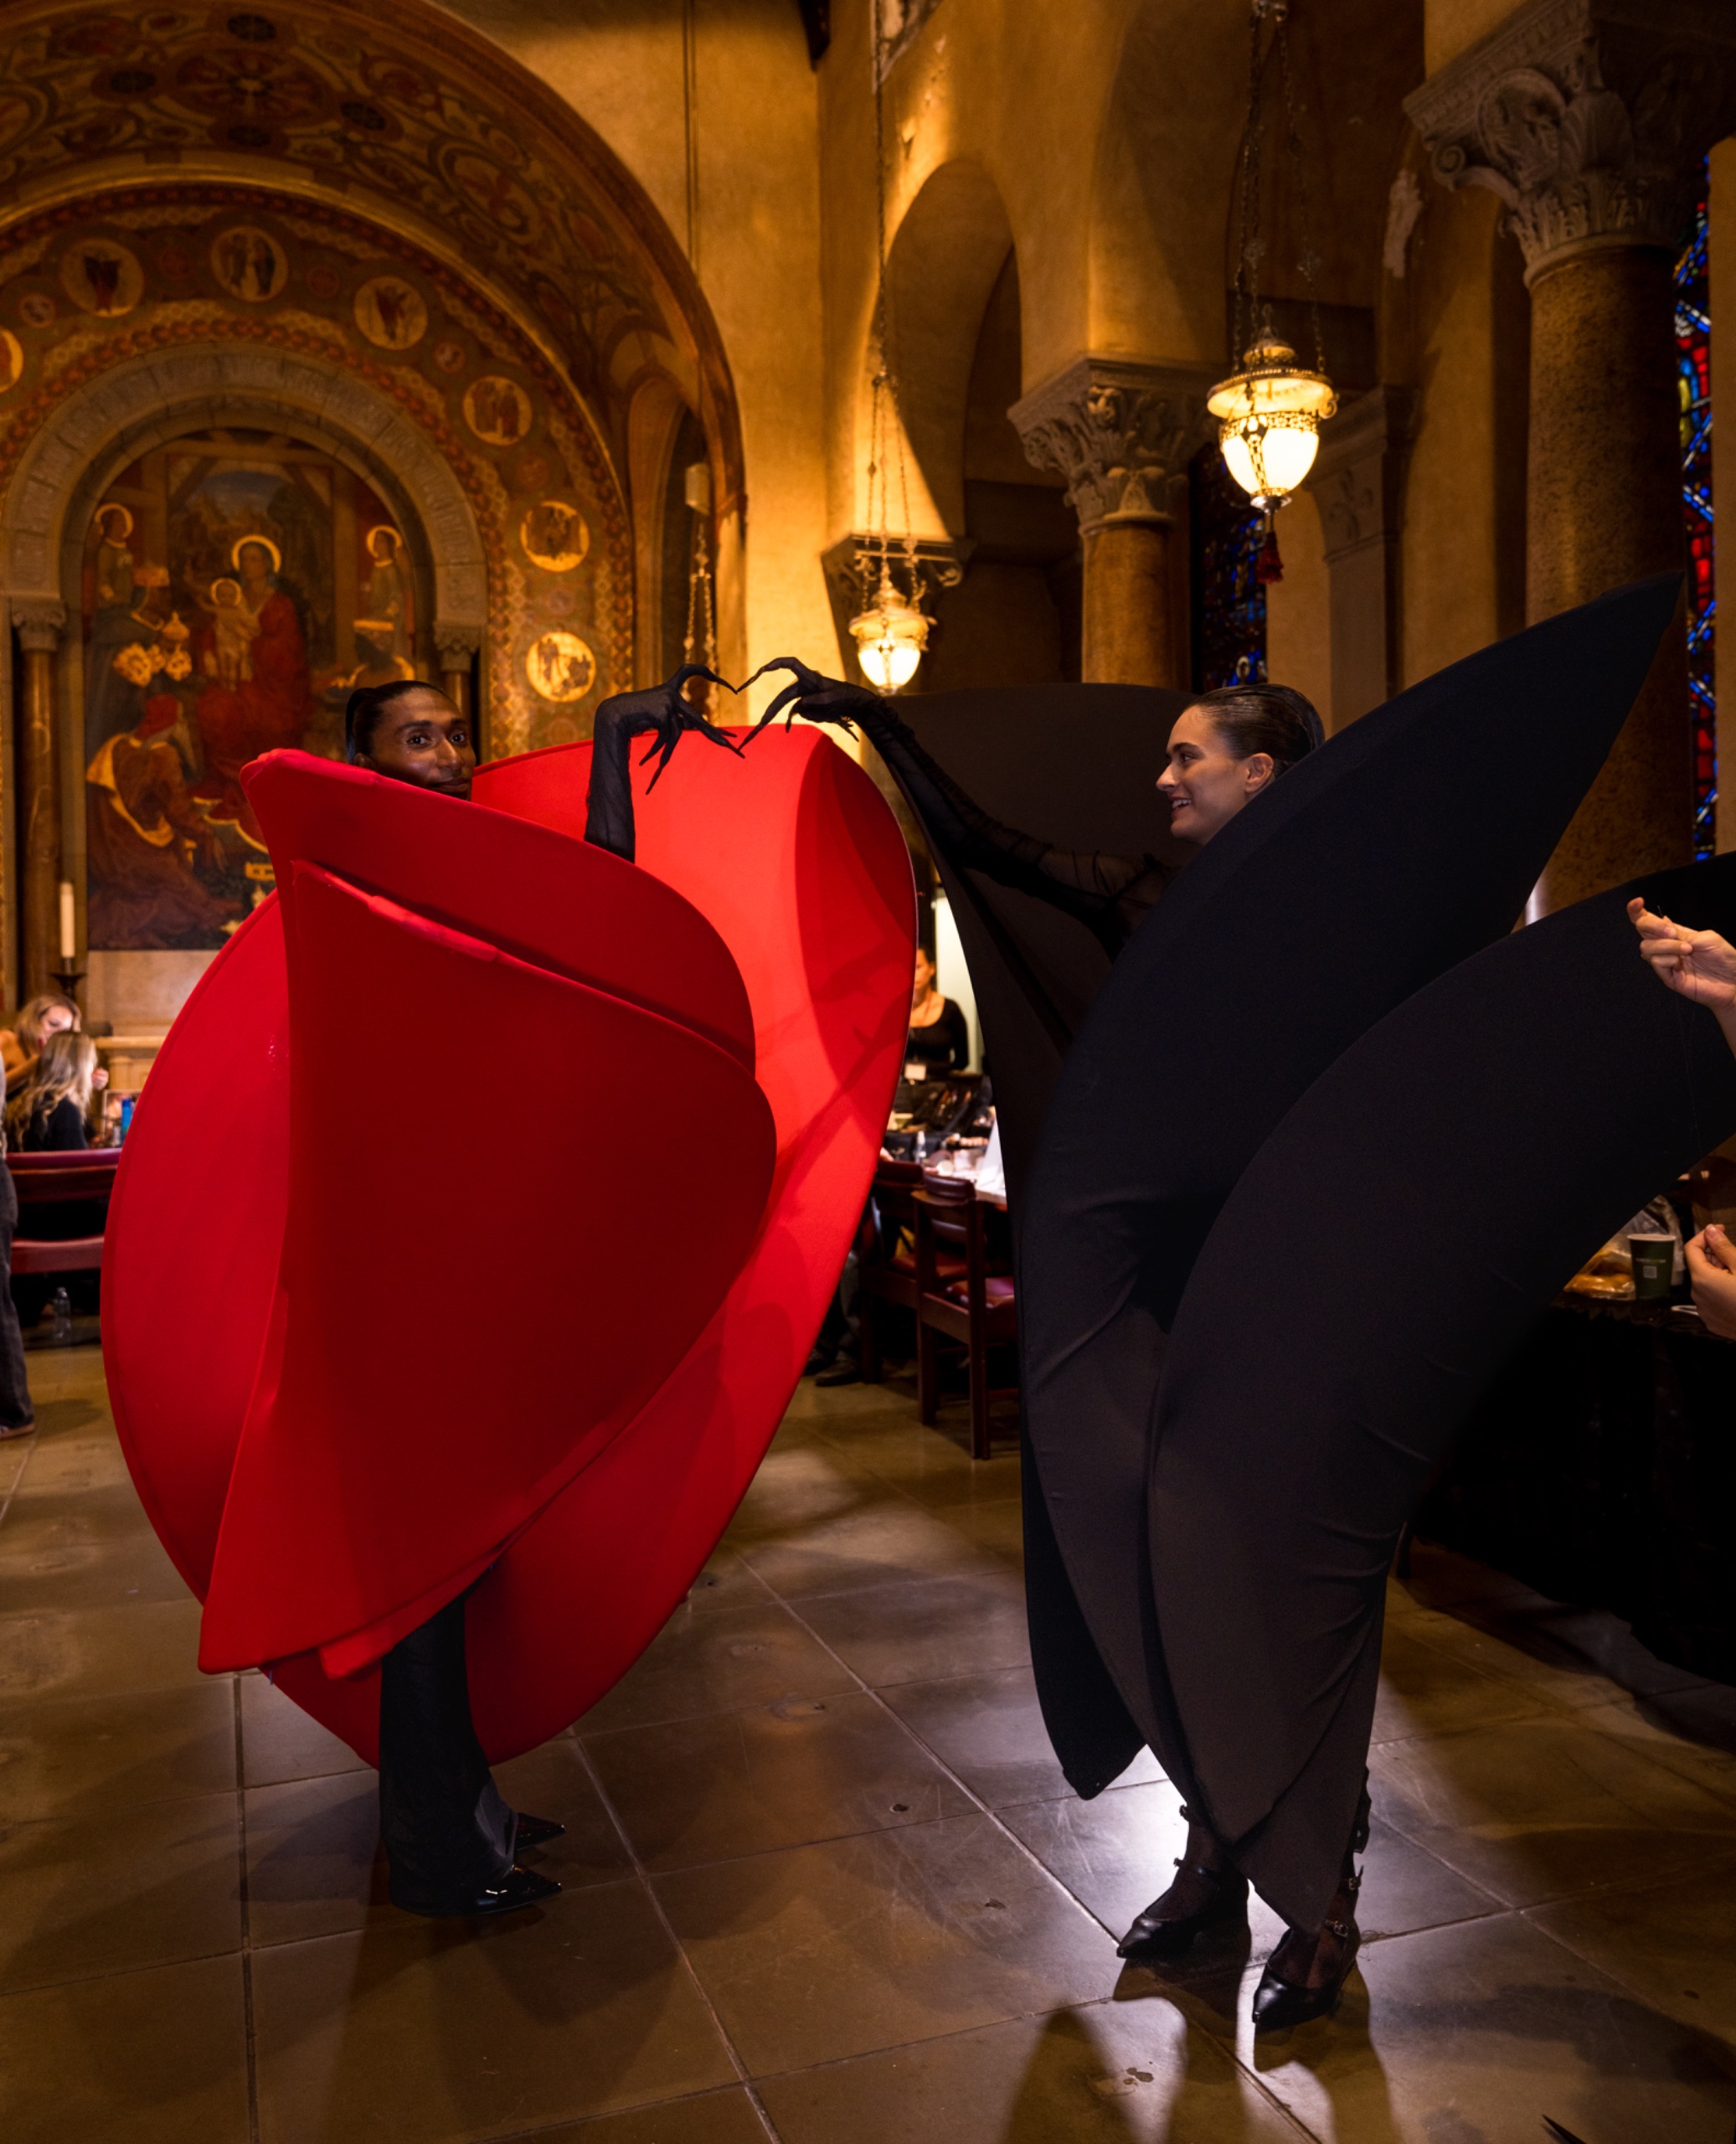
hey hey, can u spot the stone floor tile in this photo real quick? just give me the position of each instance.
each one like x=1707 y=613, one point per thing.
x=1441 y=1578
x=1523 y=1651
x=925 y=1628
x=929 y=1467
x=427 y=2032
x=826 y=1951
x=94 y=1652
x=710 y=2118
x=1107 y=2072
x=725 y=1582
x=779 y=1775
x=1686 y=1731
x=719 y=1661
x=1671 y=1946
x=280 y=1741
x=83 y=1754
x=1473 y=2034
x=879 y=1544
x=1548 y=1808
x=139 y=2058
x=127 y=1888
x=14 y=1453
x=997 y=1527
x=988 y=1728
x=82 y=1549
x=1426 y=1691
x=800 y=1486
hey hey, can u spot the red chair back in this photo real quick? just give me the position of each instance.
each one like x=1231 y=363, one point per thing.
x=52 y=1179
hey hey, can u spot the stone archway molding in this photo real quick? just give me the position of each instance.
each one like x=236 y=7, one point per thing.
x=153 y=399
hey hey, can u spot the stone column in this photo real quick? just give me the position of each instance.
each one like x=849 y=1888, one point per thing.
x=456 y=647
x=1120 y=434
x=1588 y=118
x=39 y=621
x=1358 y=483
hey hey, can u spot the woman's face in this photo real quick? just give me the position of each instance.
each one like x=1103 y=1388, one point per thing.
x=56 y=1021
x=1204 y=784
x=925 y=977
x=421 y=737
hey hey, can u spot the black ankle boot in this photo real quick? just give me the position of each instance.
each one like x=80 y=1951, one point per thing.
x=1207 y=1891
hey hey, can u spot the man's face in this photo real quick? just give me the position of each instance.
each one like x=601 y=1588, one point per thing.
x=421 y=738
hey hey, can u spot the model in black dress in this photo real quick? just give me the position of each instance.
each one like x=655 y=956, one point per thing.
x=1372 y=868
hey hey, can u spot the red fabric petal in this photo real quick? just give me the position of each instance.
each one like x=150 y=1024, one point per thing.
x=799 y=868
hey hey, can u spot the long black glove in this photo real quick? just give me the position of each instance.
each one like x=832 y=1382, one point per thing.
x=1110 y=895
x=661 y=713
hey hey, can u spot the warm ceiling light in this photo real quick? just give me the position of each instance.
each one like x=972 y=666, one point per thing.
x=1269 y=416
x=889 y=637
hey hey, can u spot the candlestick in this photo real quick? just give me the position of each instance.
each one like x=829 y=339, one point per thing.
x=69 y=924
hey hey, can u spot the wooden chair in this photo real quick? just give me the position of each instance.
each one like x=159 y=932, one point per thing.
x=886 y=1270
x=45 y=1181
x=977 y=1307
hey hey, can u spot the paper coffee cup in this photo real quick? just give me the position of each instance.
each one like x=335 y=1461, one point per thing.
x=1654 y=1259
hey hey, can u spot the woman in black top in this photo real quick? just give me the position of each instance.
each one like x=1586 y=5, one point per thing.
x=47 y=1115
x=939 y=1039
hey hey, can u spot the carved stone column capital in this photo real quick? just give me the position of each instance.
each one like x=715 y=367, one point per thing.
x=39 y=621
x=1120 y=432
x=1587 y=117
x=455 y=644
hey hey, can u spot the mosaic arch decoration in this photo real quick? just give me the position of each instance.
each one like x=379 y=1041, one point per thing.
x=419 y=116
x=237 y=583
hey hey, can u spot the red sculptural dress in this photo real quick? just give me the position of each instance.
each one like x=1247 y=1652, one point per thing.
x=364 y=1354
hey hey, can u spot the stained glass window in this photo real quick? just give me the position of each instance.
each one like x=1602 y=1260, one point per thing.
x=1693 y=378
x=1229 y=604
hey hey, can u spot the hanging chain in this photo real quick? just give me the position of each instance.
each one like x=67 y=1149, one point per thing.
x=1250 y=247
x=1307 y=261
x=886 y=435
x=700 y=644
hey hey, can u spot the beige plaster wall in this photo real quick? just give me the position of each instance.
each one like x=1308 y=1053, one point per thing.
x=1299 y=635
x=1450 y=26
x=619 y=64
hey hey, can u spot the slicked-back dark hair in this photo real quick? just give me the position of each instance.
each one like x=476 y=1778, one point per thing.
x=1259 y=718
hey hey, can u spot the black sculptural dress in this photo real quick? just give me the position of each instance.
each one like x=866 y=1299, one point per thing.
x=1409 y=843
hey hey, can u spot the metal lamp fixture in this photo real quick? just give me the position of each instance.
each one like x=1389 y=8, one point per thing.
x=1270 y=413
x=891 y=630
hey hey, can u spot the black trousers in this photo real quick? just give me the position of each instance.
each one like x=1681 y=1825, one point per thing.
x=16 y=1412
x=448 y=1833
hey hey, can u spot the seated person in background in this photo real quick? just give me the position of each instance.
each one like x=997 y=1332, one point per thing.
x=21 y=1043
x=938 y=1040
x=47 y=1113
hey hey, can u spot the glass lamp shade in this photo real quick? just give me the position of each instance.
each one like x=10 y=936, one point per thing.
x=1269 y=419
x=889 y=639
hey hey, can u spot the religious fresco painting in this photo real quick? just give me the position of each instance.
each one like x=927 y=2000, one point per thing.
x=239 y=585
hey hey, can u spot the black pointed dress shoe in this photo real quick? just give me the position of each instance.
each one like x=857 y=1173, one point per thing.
x=1208 y=1892
x=517 y=1888
x=536 y=1831
x=1304 y=1975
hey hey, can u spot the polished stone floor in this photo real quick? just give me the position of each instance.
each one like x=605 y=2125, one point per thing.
x=825 y=1883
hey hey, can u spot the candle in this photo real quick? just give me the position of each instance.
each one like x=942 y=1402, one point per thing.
x=69 y=925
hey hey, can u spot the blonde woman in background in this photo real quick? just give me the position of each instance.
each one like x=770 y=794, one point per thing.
x=21 y=1043
x=49 y=1112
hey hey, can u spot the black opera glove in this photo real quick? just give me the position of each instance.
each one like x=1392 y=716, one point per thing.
x=664 y=714
x=815 y=699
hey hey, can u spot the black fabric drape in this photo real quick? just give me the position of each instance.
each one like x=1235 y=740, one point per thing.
x=1434 y=1189
x=1403 y=846
x=1076 y=767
